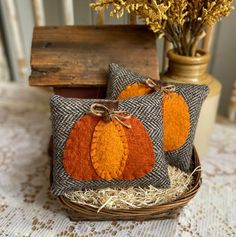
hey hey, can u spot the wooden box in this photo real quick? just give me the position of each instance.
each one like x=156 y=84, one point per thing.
x=74 y=59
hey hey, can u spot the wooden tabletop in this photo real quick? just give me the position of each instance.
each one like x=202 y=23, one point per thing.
x=78 y=56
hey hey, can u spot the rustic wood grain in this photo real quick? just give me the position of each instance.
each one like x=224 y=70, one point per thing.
x=78 y=56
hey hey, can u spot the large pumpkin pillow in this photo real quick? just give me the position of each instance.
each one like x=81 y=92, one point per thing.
x=100 y=143
x=181 y=108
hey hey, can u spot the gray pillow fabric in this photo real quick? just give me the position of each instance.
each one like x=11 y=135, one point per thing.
x=67 y=111
x=194 y=95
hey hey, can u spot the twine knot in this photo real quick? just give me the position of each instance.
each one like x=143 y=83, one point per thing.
x=108 y=115
x=160 y=86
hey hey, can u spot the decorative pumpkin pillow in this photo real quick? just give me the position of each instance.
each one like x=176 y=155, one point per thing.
x=101 y=143
x=181 y=108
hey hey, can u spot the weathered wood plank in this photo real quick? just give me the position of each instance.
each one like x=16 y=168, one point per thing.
x=77 y=56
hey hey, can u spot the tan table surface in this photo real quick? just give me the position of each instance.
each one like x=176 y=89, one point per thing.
x=28 y=209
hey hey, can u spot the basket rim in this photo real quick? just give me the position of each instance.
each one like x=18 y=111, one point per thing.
x=178 y=203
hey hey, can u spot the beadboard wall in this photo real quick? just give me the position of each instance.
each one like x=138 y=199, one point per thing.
x=223 y=48
x=4 y=72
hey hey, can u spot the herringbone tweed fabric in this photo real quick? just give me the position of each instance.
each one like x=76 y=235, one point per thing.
x=194 y=96
x=67 y=111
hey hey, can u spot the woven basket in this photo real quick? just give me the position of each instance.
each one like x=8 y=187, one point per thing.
x=165 y=211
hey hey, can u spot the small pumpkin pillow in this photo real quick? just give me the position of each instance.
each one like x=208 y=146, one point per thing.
x=181 y=108
x=100 y=143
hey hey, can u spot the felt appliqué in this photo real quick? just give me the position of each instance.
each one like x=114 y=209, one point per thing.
x=76 y=158
x=109 y=149
x=176 y=117
x=97 y=150
x=135 y=89
x=176 y=121
x=141 y=159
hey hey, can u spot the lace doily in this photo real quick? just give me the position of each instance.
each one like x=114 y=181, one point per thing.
x=28 y=209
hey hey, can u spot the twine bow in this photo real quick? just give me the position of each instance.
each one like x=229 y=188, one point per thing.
x=160 y=86
x=107 y=114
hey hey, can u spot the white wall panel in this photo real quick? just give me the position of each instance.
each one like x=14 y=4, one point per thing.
x=223 y=65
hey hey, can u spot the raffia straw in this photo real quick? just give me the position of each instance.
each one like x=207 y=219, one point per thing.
x=135 y=197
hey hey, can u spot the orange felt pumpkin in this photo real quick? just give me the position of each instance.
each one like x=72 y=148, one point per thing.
x=176 y=117
x=76 y=159
x=135 y=89
x=97 y=150
x=176 y=121
x=109 y=150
